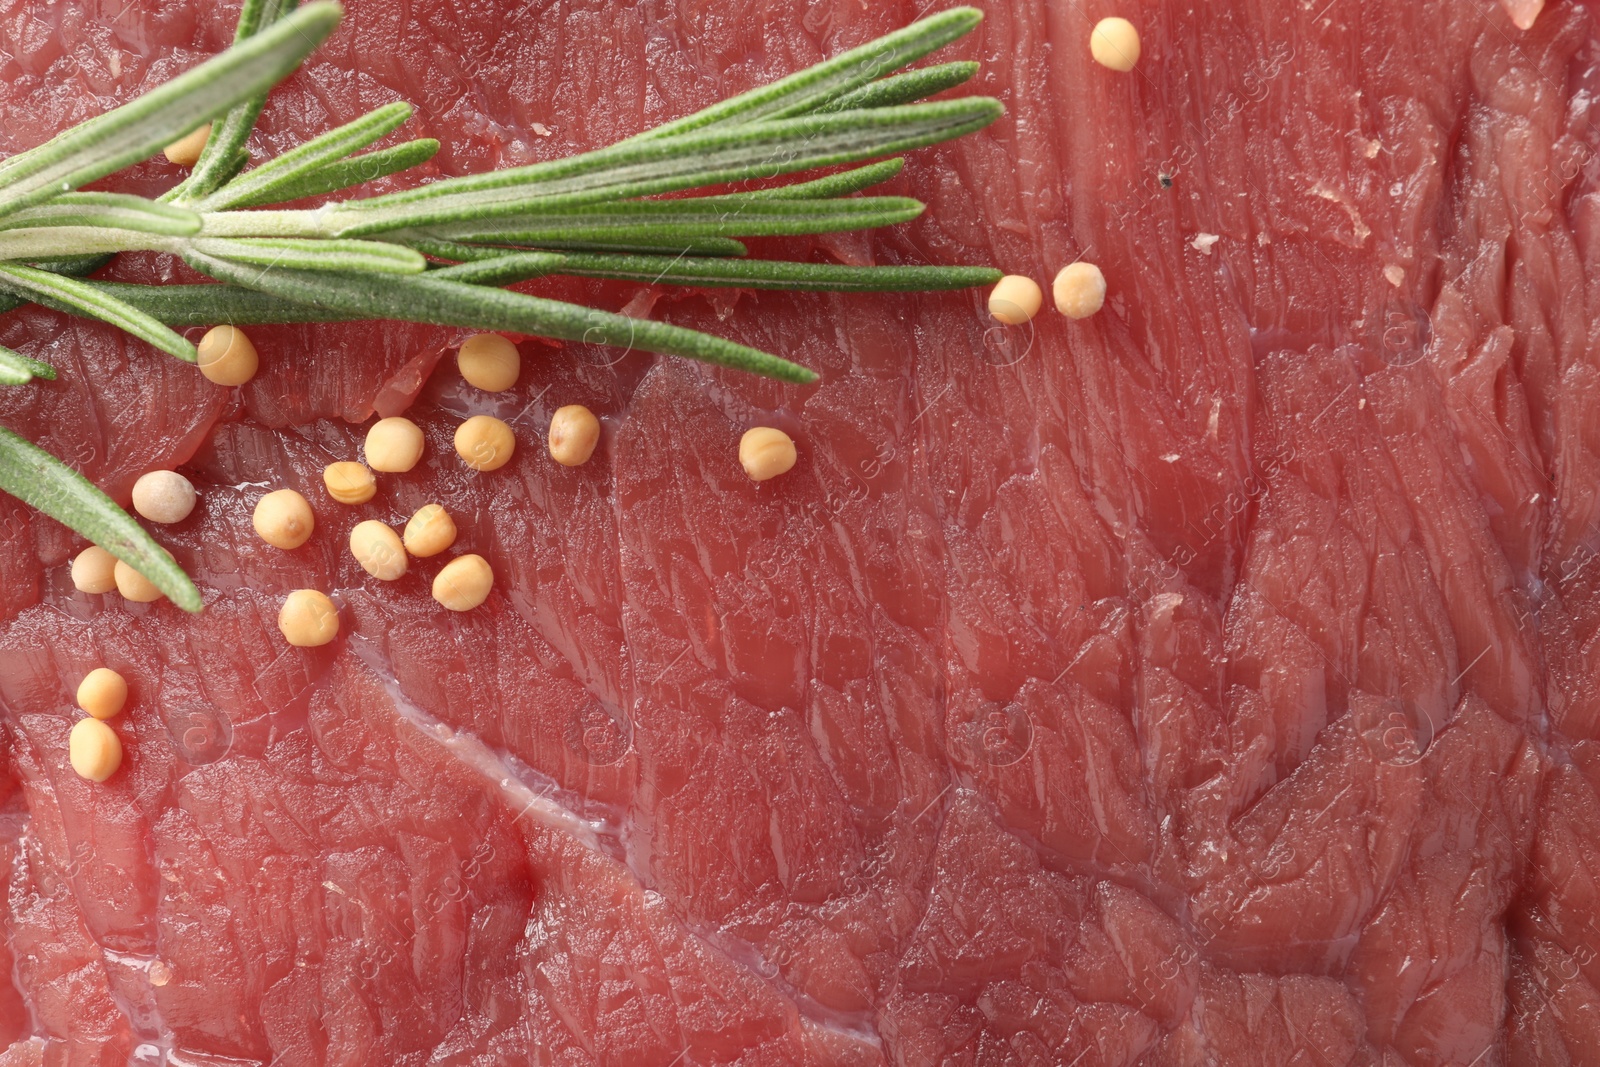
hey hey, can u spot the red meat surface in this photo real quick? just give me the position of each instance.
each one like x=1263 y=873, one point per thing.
x=1211 y=681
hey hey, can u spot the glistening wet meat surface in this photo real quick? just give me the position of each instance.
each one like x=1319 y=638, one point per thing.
x=1209 y=681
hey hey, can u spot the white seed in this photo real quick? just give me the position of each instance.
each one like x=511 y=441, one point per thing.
x=464 y=583
x=284 y=519
x=349 y=483
x=94 y=571
x=94 y=750
x=163 y=496
x=1079 y=290
x=430 y=531
x=185 y=151
x=135 y=586
x=485 y=443
x=227 y=357
x=489 y=362
x=308 y=619
x=766 y=452
x=102 y=693
x=378 y=549
x=1114 y=43
x=574 y=433
x=394 y=445
x=1015 y=299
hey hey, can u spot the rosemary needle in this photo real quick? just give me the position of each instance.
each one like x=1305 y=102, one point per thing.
x=588 y=216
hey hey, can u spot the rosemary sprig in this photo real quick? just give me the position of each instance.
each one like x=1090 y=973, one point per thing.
x=587 y=216
x=18 y=369
x=43 y=482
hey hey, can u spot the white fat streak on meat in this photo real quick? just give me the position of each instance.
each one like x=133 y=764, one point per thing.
x=531 y=795
x=537 y=798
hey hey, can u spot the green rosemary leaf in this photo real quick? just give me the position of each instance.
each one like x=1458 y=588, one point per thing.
x=75 y=266
x=263 y=184
x=642 y=168
x=18 y=369
x=210 y=304
x=841 y=184
x=421 y=298
x=224 y=153
x=142 y=127
x=699 y=246
x=832 y=78
x=113 y=210
x=290 y=253
x=903 y=88
x=773 y=274
x=348 y=172
x=46 y=484
x=368 y=167
x=42 y=243
x=77 y=297
x=671 y=221
x=465 y=253
x=502 y=270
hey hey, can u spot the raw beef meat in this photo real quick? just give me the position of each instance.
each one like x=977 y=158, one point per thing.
x=1211 y=681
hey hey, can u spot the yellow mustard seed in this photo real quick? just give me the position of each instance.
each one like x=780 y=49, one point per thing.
x=574 y=433
x=1114 y=43
x=394 y=445
x=463 y=583
x=430 y=531
x=349 y=483
x=133 y=585
x=308 y=618
x=489 y=362
x=1015 y=299
x=163 y=496
x=766 y=452
x=94 y=750
x=485 y=443
x=185 y=151
x=378 y=549
x=1079 y=290
x=102 y=692
x=284 y=519
x=94 y=571
x=227 y=357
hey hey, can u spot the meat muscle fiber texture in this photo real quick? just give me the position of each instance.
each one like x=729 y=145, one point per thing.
x=1211 y=681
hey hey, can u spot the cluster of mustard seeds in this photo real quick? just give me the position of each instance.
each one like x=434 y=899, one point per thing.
x=93 y=748
x=284 y=519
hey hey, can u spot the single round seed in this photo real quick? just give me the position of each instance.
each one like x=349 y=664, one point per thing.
x=464 y=583
x=1015 y=299
x=185 y=151
x=489 y=362
x=283 y=519
x=378 y=549
x=1114 y=43
x=349 y=483
x=1079 y=290
x=102 y=692
x=94 y=750
x=94 y=571
x=766 y=452
x=133 y=585
x=394 y=445
x=430 y=531
x=574 y=433
x=227 y=357
x=163 y=496
x=485 y=443
x=308 y=619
